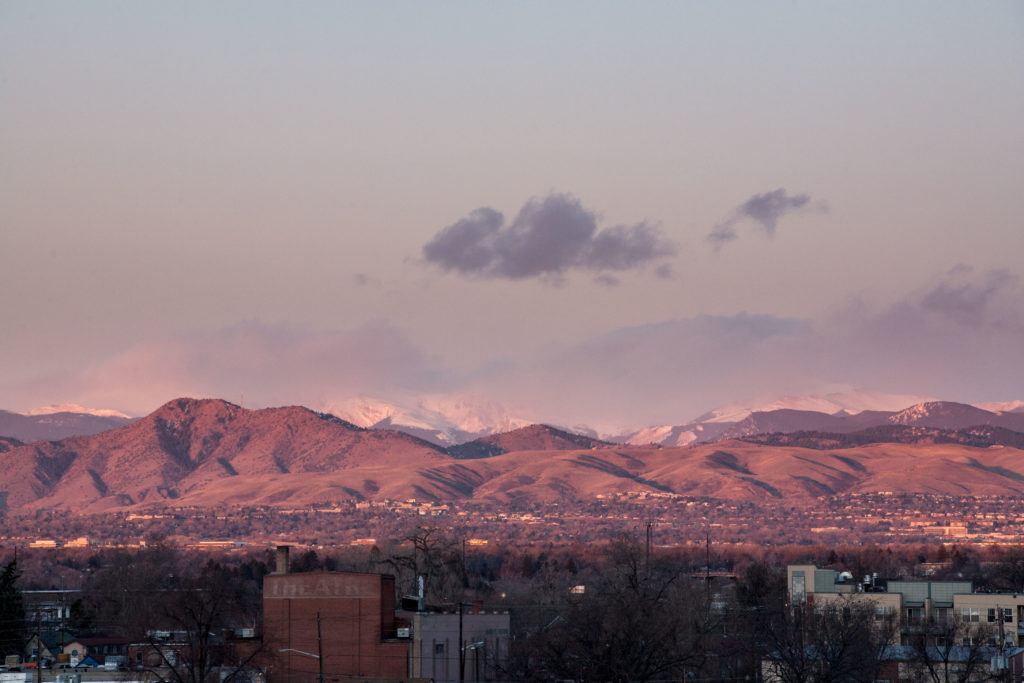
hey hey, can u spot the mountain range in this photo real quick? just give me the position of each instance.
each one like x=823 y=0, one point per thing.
x=443 y=421
x=51 y=425
x=210 y=452
x=937 y=414
x=447 y=421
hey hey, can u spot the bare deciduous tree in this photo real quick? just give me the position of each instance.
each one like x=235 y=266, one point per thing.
x=843 y=642
x=629 y=621
x=950 y=650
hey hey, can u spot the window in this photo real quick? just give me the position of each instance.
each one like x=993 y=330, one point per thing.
x=970 y=614
x=941 y=614
x=915 y=615
x=438 y=648
x=1003 y=614
x=798 y=589
x=883 y=612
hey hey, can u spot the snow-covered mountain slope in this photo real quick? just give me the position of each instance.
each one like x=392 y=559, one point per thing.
x=718 y=422
x=76 y=409
x=441 y=420
x=850 y=402
x=950 y=415
x=1002 y=406
x=449 y=420
x=50 y=425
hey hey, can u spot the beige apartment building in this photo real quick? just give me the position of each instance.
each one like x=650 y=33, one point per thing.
x=911 y=602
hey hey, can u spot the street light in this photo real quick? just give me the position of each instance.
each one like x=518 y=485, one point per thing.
x=475 y=649
x=319 y=646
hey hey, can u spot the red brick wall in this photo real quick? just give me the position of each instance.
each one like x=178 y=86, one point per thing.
x=355 y=610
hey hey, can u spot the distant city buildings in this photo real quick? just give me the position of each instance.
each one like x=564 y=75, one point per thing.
x=912 y=604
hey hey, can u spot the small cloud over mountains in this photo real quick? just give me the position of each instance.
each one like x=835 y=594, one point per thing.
x=547 y=238
x=967 y=297
x=763 y=209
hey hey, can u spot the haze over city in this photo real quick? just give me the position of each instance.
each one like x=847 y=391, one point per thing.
x=598 y=213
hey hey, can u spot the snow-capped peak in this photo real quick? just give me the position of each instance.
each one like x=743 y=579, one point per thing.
x=442 y=419
x=1002 y=406
x=362 y=411
x=851 y=402
x=75 y=408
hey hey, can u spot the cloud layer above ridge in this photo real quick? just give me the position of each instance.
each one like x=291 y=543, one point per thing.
x=958 y=337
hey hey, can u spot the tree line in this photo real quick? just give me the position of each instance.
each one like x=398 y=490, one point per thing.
x=620 y=611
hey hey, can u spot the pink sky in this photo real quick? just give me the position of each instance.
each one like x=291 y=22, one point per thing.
x=592 y=213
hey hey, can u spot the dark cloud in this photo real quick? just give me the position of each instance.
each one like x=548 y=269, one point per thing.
x=768 y=208
x=621 y=247
x=967 y=298
x=466 y=246
x=764 y=209
x=722 y=233
x=547 y=238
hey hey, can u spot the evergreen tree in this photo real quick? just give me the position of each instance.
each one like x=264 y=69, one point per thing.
x=12 y=611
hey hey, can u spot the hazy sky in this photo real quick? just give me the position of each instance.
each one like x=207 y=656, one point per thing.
x=614 y=213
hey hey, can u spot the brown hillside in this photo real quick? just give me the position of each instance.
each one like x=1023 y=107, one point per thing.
x=187 y=444
x=213 y=453
x=534 y=437
x=7 y=443
x=950 y=415
x=730 y=470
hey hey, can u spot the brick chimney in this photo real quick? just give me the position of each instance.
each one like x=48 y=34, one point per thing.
x=282 y=559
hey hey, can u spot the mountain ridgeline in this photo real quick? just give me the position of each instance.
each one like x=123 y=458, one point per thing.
x=56 y=425
x=530 y=438
x=944 y=415
x=211 y=453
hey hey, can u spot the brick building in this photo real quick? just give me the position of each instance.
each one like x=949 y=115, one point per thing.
x=347 y=618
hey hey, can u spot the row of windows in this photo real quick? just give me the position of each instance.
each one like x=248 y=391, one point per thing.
x=942 y=614
x=994 y=614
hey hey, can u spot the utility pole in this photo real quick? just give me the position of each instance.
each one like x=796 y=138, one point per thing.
x=464 y=560
x=707 y=568
x=39 y=646
x=63 y=608
x=650 y=533
x=462 y=649
x=320 y=646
